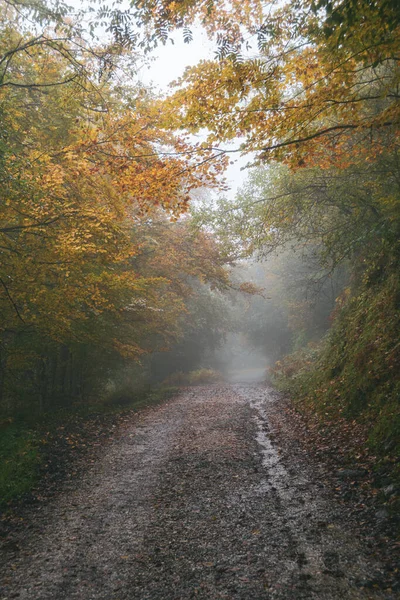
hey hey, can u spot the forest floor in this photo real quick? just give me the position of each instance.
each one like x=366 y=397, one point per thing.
x=212 y=495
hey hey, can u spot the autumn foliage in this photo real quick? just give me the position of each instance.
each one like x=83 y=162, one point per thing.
x=93 y=262
x=312 y=90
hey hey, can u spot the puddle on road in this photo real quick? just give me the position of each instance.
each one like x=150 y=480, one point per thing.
x=286 y=485
x=277 y=474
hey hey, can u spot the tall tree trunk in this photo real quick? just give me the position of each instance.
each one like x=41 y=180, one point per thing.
x=43 y=383
x=2 y=376
x=64 y=358
x=53 y=392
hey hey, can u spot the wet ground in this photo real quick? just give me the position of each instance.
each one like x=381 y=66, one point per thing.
x=208 y=496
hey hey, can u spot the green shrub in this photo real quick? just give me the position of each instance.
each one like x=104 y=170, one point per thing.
x=19 y=460
x=203 y=376
x=198 y=377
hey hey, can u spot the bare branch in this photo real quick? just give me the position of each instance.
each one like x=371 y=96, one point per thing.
x=11 y=300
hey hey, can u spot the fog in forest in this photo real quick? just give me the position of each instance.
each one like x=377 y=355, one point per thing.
x=238 y=361
x=274 y=306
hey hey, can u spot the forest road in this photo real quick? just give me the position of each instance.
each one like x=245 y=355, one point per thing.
x=196 y=498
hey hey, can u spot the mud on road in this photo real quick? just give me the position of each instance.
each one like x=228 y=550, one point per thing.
x=203 y=497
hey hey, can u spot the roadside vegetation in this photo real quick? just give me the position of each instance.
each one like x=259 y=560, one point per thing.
x=46 y=448
x=197 y=377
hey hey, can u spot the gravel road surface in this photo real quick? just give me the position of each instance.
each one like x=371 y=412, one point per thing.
x=207 y=496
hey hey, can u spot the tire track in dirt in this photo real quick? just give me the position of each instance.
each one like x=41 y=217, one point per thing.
x=329 y=556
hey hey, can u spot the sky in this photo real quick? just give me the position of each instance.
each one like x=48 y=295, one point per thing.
x=169 y=62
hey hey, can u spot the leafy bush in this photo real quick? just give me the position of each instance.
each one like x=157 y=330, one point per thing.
x=198 y=377
x=203 y=376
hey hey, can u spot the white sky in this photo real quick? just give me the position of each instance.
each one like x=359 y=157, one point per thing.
x=169 y=62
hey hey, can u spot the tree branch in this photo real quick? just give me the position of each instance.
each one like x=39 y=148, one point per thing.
x=322 y=132
x=12 y=301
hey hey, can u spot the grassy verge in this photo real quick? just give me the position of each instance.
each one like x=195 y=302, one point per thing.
x=19 y=460
x=366 y=432
x=42 y=446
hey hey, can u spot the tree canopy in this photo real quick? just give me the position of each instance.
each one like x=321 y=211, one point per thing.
x=304 y=83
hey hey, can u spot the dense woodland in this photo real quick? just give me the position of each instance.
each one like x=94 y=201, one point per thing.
x=123 y=258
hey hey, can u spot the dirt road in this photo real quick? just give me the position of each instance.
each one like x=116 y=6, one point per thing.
x=196 y=498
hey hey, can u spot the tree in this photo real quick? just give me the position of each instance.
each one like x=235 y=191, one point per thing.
x=321 y=89
x=86 y=172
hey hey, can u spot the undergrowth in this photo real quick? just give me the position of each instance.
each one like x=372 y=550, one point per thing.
x=354 y=373
x=197 y=377
x=19 y=460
